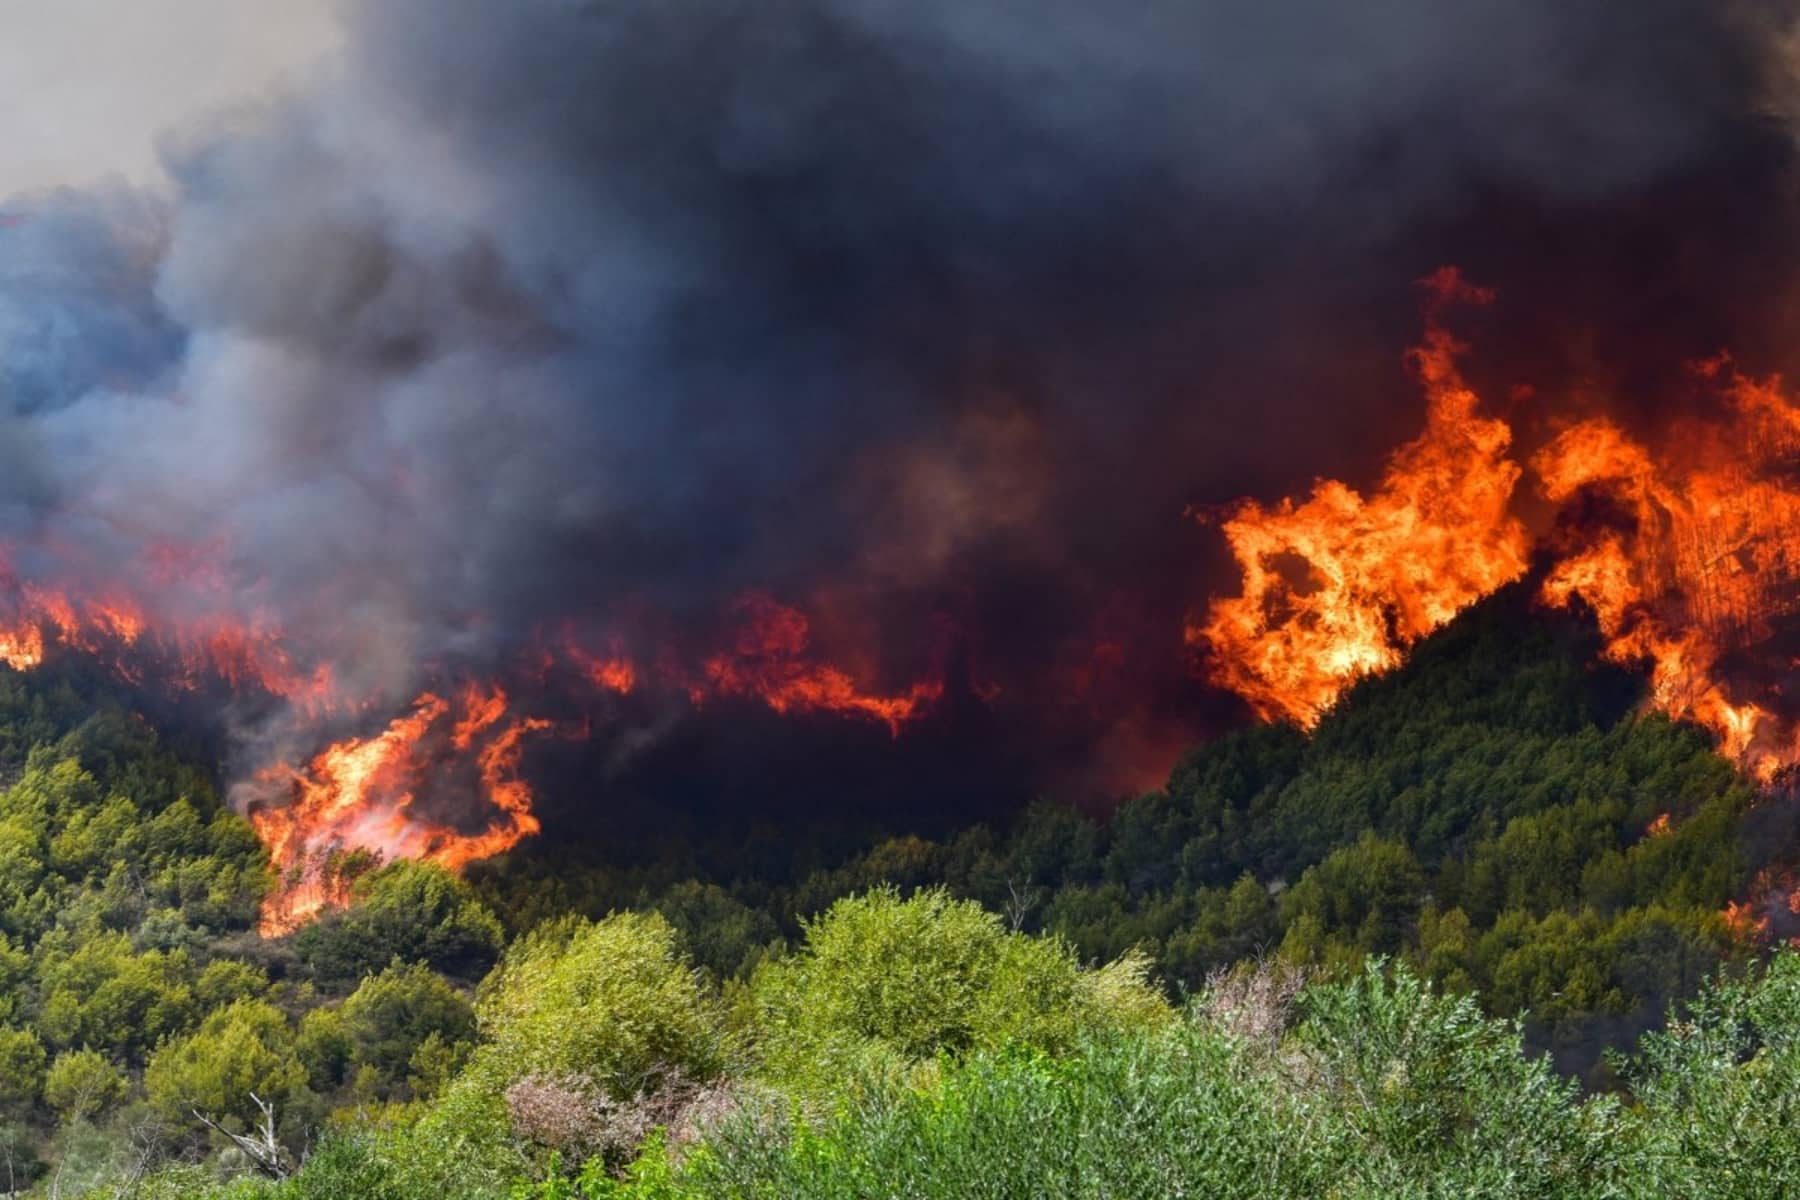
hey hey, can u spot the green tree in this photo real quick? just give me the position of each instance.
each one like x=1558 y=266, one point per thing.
x=22 y=1060
x=244 y=1049
x=83 y=1084
x=1370 y=892
x=387 y=1020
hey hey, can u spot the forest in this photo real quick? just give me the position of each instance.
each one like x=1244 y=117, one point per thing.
x=1479 y=932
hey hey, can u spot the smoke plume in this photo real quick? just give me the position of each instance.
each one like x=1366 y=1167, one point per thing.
x=627 y=325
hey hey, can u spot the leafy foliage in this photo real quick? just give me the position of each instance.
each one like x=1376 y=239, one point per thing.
x=411 y=911
x=906 y=980
x=242 y=1051
x=1466 y=858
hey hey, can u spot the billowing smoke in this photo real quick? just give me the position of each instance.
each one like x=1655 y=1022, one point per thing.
x=585 y=319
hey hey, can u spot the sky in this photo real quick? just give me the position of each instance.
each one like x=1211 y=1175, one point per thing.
x=87 y=87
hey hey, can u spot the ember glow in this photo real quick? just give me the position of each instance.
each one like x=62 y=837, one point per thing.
x=770 y=660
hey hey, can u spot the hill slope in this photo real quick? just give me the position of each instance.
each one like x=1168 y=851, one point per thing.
x=1497 y=818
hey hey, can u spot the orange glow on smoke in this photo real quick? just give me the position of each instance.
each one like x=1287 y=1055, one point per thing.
x=186 y=650
x=769 y=661
x=613 y=672
x=1338 y=586
x=360 y=792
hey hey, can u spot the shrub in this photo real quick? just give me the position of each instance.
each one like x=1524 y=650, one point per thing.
x=1720 y=1088
x=610 y=1009
x=413 y=911
x=882 y=980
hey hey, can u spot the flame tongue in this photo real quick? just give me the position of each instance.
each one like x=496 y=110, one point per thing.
x=1692 y=563
x=1337 y=587
x=1704 y=564
x=360 y=793
x=769 y=661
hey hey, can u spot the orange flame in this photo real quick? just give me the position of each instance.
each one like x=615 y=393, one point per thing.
x=1337 y=587
x=22 y=646
x=360 y=793
x=769 y=662
x=1708 y=558
x=1695 y=561
x=1742 y=922
x=118 y=630
x=613 y=672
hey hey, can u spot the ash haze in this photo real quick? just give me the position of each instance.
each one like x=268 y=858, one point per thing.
x=88 y=87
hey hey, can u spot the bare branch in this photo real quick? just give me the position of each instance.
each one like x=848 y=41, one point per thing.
x=263 y=1150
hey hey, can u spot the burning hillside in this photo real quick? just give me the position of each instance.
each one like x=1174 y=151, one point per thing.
x=1688 y=555
x=1336 y=587
x=375 y=792
x=803 y=411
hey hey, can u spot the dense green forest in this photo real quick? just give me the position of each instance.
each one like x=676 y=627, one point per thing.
x=1429 y=949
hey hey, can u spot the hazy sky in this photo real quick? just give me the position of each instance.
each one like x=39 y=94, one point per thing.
x=86 y=86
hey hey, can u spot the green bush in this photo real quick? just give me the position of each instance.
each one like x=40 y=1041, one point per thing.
x=882 y=980
x=412 y=911
x=1720 y=1090
x=611 y=1007
x=1432 y=1099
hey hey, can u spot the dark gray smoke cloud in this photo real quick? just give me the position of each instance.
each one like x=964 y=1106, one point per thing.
x=538 y=311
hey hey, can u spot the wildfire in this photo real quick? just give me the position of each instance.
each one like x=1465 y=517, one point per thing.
x=182 y=651
x=1338 y=586
x=613 y=674
x=769 y=661
x=1690 y=564
x=1770 y=909
x=360 y=794
x=1687 y=550
x=1703 y=561
x=358 y=799
x=22 y=646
